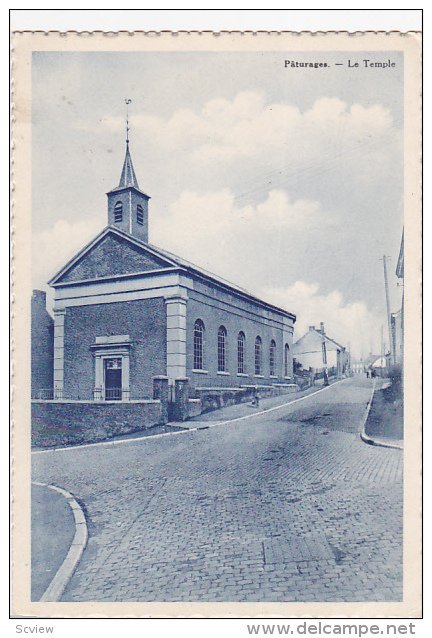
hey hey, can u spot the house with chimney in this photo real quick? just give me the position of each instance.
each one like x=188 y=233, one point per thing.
x=317 y=351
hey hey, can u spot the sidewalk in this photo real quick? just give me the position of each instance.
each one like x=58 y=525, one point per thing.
x=52 y=532
x=385 y=420
x=243 y=409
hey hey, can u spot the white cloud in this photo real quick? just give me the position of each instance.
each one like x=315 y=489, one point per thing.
x=212 y=230
x=247 y=126
x=349 y=323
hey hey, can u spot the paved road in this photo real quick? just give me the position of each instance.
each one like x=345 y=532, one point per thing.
x=286 y=506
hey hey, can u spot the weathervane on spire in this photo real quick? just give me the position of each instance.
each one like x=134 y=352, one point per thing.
x=127 y=101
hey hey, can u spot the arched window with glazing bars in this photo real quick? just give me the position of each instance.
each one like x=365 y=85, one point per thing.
x=241 y=343
x=258 y=355
x=221 y=349
x=272 y=358
x=199 y=331
x=286 y=361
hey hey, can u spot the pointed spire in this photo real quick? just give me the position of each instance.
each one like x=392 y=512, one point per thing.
x=128 y=177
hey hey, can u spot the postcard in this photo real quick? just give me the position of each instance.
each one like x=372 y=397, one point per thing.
x=216 y=325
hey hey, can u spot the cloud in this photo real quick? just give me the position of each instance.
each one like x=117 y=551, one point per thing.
x=350 y=323
x=212 y=230
x=248 y=126
x=264 y=248
x=52 y=248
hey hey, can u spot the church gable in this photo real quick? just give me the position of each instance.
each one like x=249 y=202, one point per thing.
x=112 y=256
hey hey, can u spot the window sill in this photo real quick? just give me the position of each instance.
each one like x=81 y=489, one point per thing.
x=223 y=374
x=259 y=376
x=242 y=374
x=195 y=371
x=273 y=376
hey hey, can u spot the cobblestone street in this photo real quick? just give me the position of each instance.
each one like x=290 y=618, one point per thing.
x=285 y=506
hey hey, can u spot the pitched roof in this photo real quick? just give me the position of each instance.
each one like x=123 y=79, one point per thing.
x=173 y=261
x=370 y=359
x=206 y=274
x=108 y=230
x=323 y=336
x=335 y=342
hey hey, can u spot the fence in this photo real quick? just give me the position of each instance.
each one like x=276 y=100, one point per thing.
x=111 y=394
x=47 y=394
x=99 y=394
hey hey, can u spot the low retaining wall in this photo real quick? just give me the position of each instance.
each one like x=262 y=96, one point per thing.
x=194 y=408
x=215 y=398
x=56 y=423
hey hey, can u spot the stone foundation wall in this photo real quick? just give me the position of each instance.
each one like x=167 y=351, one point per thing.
x=215 y=398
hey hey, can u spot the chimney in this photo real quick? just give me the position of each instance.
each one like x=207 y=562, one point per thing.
x=322 y=331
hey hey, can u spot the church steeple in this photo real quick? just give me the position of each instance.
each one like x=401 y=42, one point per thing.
x=128 y=177
x=127 y=204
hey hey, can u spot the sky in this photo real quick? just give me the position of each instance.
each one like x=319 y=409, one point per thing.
x=287 y=181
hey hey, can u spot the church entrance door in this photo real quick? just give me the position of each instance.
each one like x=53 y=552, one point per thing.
x=113 y=379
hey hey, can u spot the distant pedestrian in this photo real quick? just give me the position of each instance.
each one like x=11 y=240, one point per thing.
x=367 y=374
x=326 y=379
x=311 y=376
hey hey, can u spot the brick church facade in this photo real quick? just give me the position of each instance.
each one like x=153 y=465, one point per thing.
x=126 y=311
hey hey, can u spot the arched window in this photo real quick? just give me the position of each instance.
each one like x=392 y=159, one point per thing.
x=198 y=345
x=118 y=212
x=286 y=361
x=221 y=352
x=272 y=358
x=241 y=341
x=258 y=355
x=140 y=215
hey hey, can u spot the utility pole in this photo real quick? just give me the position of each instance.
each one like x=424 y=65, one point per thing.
x=391 y=340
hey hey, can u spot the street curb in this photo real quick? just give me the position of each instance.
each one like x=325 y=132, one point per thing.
x=64 y=573
x=379 y=442
x=210 y=425
x=373 y=441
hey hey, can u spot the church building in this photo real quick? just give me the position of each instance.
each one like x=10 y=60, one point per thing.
x=126 y=311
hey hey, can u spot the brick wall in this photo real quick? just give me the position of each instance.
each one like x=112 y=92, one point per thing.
x=62 y=423
x=42 y=343
x=219 y=308
x=143 y=320
x=113 y=255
